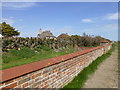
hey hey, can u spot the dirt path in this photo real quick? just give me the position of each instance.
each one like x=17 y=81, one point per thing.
x=106 y=76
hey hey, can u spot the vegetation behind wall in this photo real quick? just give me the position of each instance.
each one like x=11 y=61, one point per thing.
x=33 y=43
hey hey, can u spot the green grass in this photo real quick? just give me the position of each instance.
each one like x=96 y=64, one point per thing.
x=15 y=58
x=16 y=55
x=79 y=80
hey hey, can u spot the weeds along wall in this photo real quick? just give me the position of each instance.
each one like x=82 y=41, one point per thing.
x=51 y=73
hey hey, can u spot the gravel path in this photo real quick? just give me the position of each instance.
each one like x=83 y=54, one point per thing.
x=106 y=76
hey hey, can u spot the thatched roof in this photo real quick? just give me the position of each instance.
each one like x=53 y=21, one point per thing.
x=105 y=41
x=63 y=35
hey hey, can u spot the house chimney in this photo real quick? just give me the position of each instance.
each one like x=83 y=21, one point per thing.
x=40 y=31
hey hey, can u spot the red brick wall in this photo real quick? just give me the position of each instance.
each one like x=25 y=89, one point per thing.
x=54 y=74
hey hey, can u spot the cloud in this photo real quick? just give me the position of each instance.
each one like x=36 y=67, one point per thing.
x=0 y=4
x=20 y=20
x=112 y=16
x=64 y=29
x=18 y=5
x=11 y=20
x=109 y=31
x=28 y=34
x=87 y=20
x=8 y=20
x=110 y=27
x=109 y=16
x=11 y=17
x=102 y=28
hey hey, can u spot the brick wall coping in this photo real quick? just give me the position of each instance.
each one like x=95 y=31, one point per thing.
x=11 y=73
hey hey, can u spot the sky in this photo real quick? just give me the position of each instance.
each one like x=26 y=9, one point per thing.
x=74 y=18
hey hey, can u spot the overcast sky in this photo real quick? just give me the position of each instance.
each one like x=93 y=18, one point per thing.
x=96 y=18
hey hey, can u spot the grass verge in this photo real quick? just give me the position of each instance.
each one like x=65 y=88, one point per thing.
x=15 y=58
x=79 y=80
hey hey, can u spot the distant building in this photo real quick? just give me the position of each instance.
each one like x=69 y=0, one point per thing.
x=45 y=34
x=105 y=42
x=63 y=36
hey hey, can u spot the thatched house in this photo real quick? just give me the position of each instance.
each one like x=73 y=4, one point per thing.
x=63 y=36
x=104 y=42
x=45 y=35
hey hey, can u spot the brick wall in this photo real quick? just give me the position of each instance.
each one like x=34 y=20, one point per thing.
x=51 y=73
